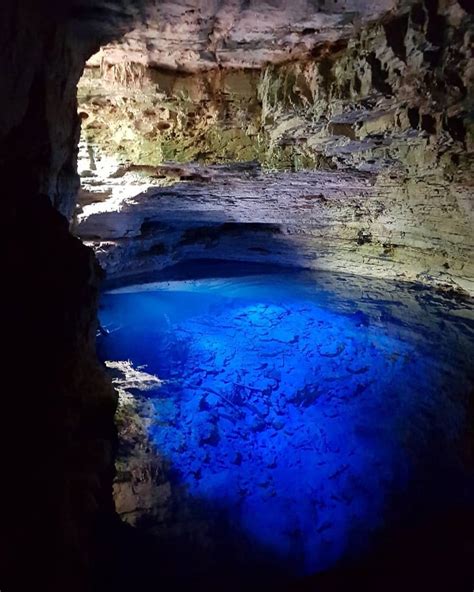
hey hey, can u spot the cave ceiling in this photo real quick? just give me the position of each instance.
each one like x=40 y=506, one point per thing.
x=196 y=35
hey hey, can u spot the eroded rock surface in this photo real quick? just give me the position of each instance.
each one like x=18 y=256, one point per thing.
x=206 y=34
x=383 y=108
x=359 y=222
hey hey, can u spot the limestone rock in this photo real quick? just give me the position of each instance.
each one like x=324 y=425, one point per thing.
x=389 y=100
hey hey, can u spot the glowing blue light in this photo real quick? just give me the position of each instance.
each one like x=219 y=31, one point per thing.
x=302 y=421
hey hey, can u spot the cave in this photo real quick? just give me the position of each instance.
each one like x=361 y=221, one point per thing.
x=239 y=243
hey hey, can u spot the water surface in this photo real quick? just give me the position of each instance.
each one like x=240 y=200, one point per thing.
x=301 y=415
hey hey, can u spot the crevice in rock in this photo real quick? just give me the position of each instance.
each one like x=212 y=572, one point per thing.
x=436 y=26
x=379 y=74
x=456 y=127
x=428 y=123
x=395 y=31
x=414 y=117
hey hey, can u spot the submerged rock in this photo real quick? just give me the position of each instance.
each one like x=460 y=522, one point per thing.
x=292 y=460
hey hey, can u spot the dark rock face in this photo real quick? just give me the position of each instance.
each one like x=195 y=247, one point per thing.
x=58 y=406
x=39 y=126
x=58 y=435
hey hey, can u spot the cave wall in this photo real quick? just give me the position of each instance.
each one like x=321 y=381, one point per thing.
x=39 y=127
x=58 y=436
x=146 y=116
x=394 y=103
x=358 y=102
x=390 y=100
x=409 y=71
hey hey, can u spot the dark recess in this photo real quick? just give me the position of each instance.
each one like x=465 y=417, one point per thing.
x=379 y=74
x=414 y=117
x=418 y=15
x=452 y=78
x=357 y=84
x=395 y=32
x=455 y=126
x=436 y=26
x=428 y=123
x=467 y=5
x=364 y=237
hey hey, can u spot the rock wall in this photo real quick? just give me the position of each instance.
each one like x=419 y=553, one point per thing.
x=391 y=101
x=395 y=102
x=398 y=94
x=356 y=97
x=57 y=407
x=58 y=435
x=333 y=220
x=201 y=35
x=39 y=126
x=147 y=117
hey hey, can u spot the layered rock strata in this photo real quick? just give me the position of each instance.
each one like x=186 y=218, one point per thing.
x=354 y=222
x=388 y=104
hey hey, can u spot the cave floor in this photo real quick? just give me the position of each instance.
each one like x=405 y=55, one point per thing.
x=286 y=422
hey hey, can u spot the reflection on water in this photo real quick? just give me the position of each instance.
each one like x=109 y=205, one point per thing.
x=300 y=414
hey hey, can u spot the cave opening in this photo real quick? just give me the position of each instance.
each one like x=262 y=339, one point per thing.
x=250 y=347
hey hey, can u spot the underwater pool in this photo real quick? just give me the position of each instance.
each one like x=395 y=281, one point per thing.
x=297 y=416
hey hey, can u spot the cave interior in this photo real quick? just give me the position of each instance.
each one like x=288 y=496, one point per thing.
x=239 y=254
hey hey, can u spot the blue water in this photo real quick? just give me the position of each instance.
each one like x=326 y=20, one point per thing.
x=299 y=415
